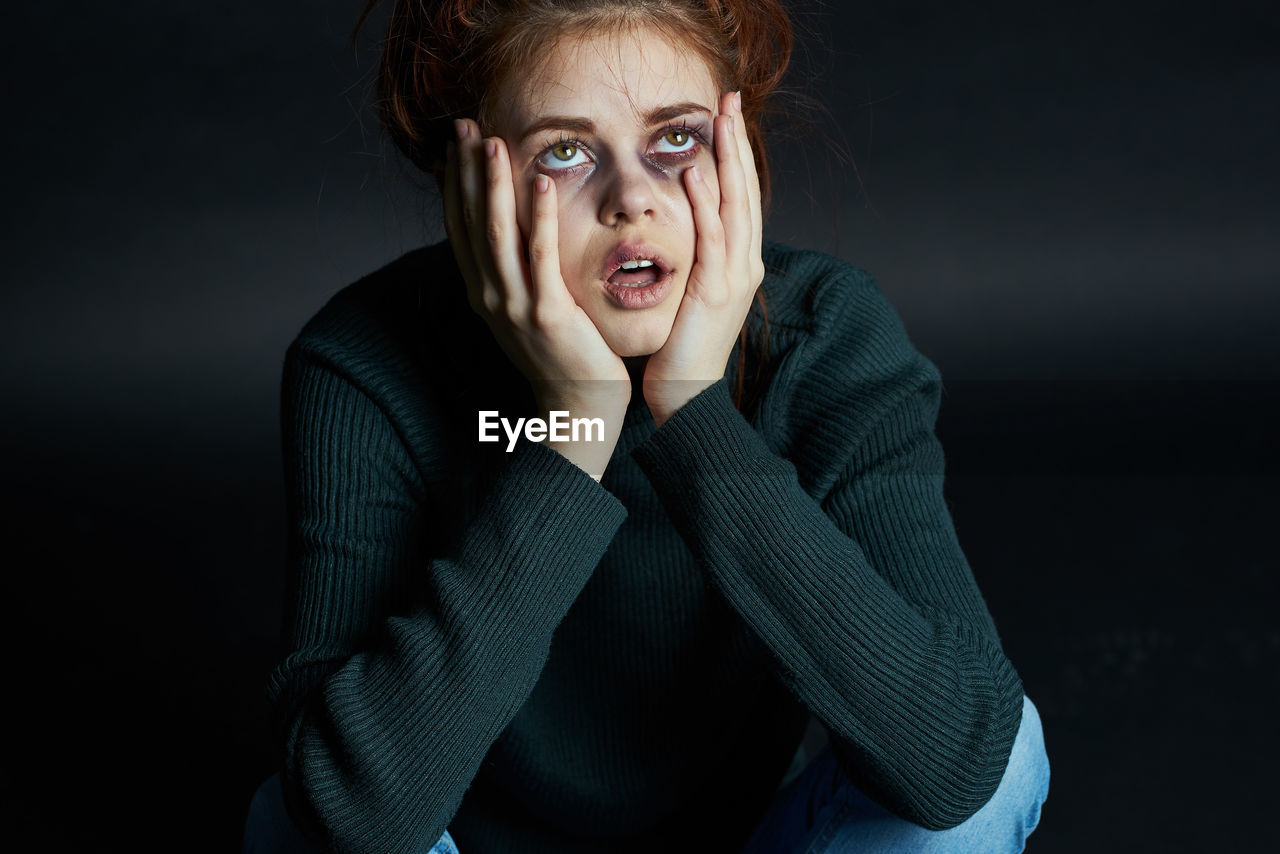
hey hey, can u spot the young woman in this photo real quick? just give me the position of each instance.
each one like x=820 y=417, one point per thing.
x=612 y=640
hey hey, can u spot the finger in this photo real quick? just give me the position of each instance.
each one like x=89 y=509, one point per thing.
x=455 y=228
x=548 y=289
x=735 y=201
x=501 y=230
x=747 y=156
x=709 y=243
x=471 y=170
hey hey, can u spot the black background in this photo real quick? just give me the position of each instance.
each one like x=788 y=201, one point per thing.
x=1072 y=206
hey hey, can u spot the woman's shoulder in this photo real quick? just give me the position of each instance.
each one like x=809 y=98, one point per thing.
x=409 y=313
x=403 y=340
x=849 y=364
x=391 y=301
x=810 y=294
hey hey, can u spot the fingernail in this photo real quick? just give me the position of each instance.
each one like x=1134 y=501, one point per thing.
x=697 y=176
x=460 y=128
x=490 y=148
x=542 y=183
x=730 y=125
x=737 y=100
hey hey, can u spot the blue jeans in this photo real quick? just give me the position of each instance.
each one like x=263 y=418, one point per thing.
x=819 y=812
x=822 y=812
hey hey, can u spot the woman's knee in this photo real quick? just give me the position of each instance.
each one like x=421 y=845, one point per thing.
x=1027 y=774
x=1006 y=820
x=1001 y=825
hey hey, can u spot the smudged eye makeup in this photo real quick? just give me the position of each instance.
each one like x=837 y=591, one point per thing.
x=674 y=143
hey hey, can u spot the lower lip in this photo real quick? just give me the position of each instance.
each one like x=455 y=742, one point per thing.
x=644 y=296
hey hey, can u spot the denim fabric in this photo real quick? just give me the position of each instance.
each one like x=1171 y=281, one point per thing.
x=823 y=812
x=269 y=830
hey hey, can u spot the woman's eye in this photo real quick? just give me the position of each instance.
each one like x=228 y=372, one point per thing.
x=681 y=139
x=563 y=155
x=566 y=154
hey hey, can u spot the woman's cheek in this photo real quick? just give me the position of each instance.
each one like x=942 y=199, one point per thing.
x=575 y=209
x=679 y=209
x=525 y=198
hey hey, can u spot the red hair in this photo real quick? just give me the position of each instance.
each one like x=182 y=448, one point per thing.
x=445 y=60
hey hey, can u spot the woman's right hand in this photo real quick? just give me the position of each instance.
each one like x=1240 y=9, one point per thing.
x=522 y=296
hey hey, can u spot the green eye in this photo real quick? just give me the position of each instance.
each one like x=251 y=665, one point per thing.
x=563 y=154
x=679 y=141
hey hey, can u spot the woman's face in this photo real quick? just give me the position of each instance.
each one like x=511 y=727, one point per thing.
x=614 y=119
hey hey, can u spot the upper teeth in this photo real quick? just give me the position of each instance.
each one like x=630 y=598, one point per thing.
x=635 y=265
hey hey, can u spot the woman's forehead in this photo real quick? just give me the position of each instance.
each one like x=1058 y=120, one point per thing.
x=610 y=76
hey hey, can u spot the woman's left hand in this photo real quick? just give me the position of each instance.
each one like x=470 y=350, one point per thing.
x=726 y=272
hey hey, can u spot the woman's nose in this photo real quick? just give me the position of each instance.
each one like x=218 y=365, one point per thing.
x=629 y=195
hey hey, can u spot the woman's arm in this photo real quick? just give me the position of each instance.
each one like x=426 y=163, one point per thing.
x=403 y=667
x=837 y=548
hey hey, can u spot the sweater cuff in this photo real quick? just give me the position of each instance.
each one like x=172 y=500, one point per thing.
x=541 y=532
x=706 y=435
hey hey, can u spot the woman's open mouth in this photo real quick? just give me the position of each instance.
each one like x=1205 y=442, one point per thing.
x=637 y=277
x=637 y=274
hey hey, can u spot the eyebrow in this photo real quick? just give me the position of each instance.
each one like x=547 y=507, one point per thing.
x=578 y=124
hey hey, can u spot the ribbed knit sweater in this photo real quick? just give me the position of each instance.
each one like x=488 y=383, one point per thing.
x=495 y=643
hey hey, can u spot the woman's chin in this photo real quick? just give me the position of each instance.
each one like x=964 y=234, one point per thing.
x=637 y=339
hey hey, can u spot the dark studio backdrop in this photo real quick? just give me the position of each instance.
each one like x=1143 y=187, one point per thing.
x=1073 y=207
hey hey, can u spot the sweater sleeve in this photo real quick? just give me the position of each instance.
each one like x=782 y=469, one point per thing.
x=854 y=579
x=402 y=668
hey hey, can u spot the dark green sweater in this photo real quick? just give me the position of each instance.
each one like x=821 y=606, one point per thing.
x=496 y=643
